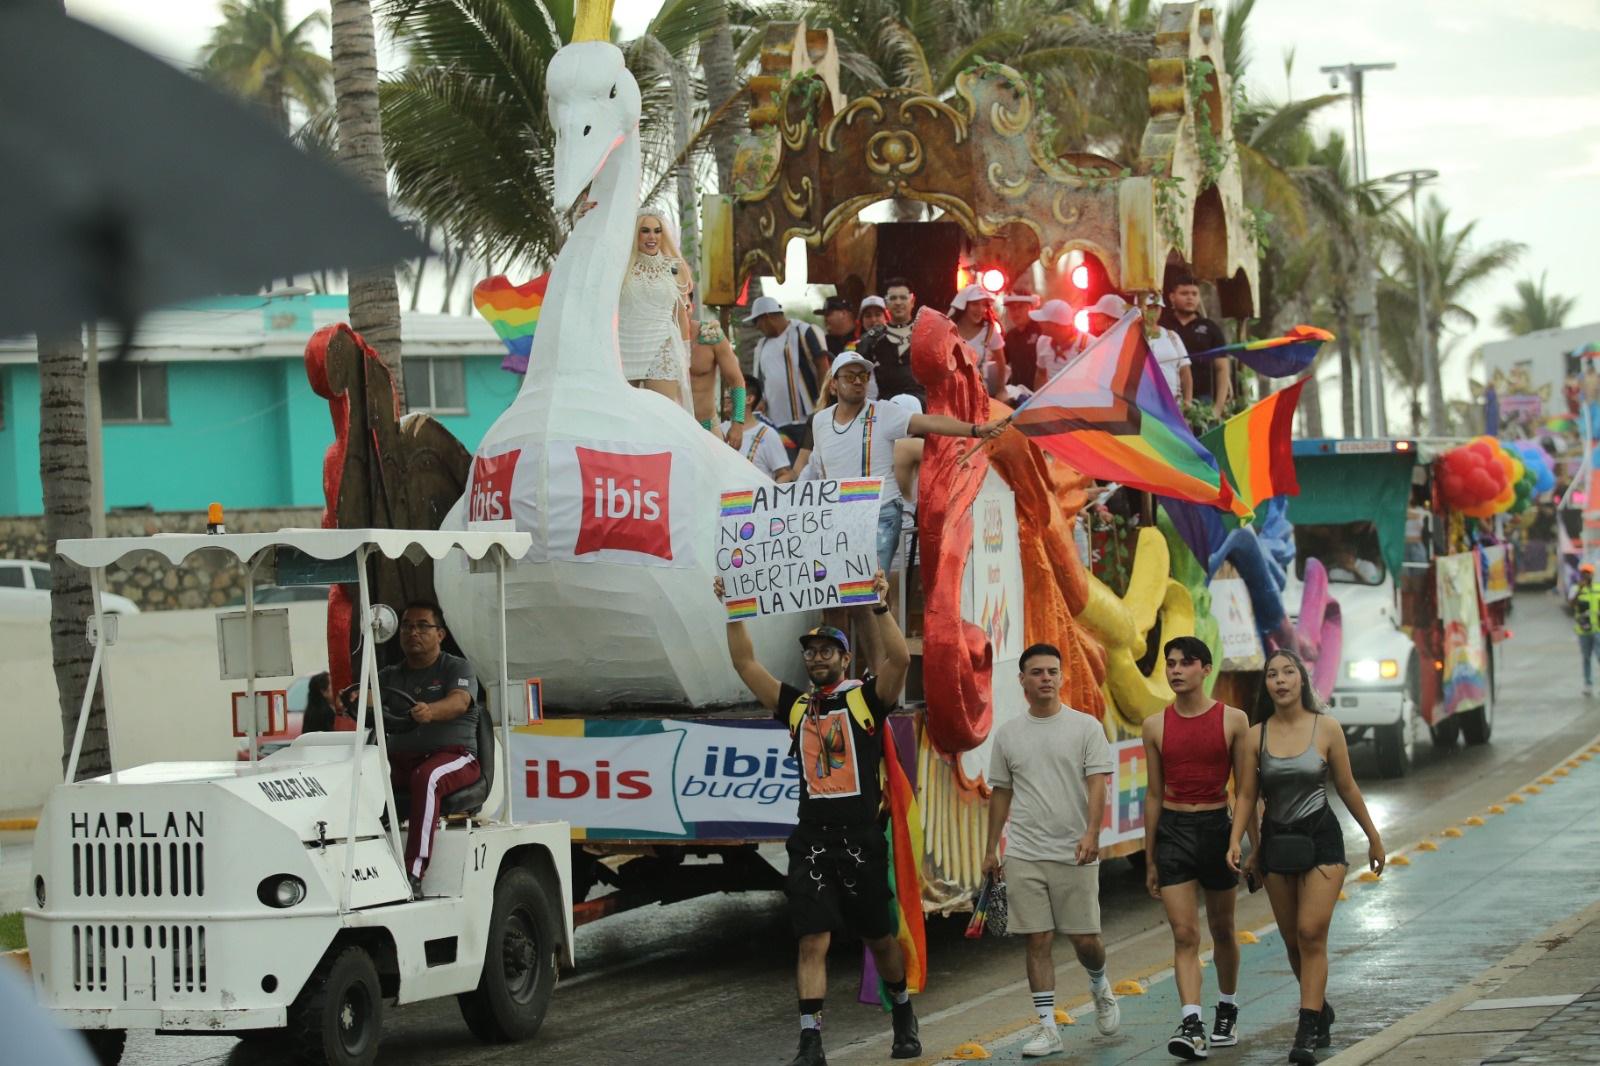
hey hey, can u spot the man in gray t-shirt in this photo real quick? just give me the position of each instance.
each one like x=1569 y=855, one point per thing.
x=440 y=755
x=1049 y=770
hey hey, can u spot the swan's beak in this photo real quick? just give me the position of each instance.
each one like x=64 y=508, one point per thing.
x=594 y=104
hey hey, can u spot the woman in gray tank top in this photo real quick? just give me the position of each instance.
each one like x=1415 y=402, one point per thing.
x=1289 y=760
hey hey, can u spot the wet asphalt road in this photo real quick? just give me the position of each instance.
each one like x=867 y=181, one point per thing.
x=711 y=980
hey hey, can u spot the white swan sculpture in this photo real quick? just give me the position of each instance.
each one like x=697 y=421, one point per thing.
x=619 y=486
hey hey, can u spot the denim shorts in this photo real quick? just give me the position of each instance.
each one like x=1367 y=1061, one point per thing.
x=889 y=518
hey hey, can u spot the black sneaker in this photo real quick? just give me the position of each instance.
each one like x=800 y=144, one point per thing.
x=416 y=886
x=1224 y=1032
x=1189 y=1041
x=810 y=1052
x=1325 y=1025
x=907 y=1044
x=1303 y=1051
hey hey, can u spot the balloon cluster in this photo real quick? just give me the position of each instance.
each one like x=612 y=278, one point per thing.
x=1481 y=479
x=1538 y=461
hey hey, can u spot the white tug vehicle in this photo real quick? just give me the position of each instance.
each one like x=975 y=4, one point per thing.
x=268 y=899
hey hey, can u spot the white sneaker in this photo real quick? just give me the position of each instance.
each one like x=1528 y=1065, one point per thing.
x=1107 y=1015
x=1046 y=1042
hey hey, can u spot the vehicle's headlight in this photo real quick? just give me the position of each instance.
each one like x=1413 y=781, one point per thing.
x=281 y=890
x=1372 y=670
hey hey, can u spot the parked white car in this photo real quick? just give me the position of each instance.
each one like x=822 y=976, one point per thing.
x=25 y=591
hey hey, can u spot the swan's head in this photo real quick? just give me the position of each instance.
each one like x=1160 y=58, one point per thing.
x=594 y=104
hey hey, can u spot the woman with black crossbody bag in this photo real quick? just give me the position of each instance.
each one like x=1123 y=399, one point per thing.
x=1302 y=844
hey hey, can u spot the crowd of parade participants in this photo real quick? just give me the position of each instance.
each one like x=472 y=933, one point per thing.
x=841 y=402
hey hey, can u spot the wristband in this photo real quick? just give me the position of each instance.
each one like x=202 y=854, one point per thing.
x=738 y=403
x=882 y=608
x=972 y=431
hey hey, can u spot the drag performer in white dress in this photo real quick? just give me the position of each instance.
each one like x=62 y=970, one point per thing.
x=653 y=317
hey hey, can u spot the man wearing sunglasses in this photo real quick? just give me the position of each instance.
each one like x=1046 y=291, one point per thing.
x=838 y=875
x=440 y=755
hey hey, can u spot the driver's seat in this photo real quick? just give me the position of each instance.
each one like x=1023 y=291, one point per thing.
x=469 y=799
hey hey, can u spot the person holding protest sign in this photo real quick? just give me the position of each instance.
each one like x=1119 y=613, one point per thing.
x=838 y=874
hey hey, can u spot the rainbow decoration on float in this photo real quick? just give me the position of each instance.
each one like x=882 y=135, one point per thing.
x=513 y=312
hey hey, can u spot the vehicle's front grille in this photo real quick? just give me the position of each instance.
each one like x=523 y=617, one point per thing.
x=110 y=957
x=127 y=869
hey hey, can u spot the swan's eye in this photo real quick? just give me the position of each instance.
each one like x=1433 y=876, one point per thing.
x=613 y=92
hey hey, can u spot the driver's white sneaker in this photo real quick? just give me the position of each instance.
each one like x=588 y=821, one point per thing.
x=1107 y=1015
x=1046 y=1042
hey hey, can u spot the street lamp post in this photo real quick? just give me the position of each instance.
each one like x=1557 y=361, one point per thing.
x=1374 y=420
x=1414 y=180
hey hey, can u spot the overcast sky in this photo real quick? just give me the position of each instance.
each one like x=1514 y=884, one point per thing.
x=1503 y=99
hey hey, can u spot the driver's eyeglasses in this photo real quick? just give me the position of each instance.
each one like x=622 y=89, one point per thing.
x=417 y=627
x=826 y=652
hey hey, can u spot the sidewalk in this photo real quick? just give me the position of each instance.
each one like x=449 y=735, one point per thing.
x=1403 y=952
x=1540 y=1004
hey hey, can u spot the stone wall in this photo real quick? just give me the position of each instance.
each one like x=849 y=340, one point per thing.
x=152 y=583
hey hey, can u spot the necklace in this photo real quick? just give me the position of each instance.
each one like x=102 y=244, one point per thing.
x=848 y=425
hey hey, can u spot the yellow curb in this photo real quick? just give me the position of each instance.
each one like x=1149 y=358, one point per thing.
x=1585 y=757
x=18 y=825
x=1533 y=790
x=1399 y=860
x=1367 y=877
x=1514 y=798
x=1129 y=988
x=1245 y=936
x=970 y=1050
x=1595 y=748
x=1427 y=845
x=1063 y=1018
x=1561 y=771
x=1496 y=809
x=1547 y=780
x=20 y=958
x=1452 y=832
x=1571 y=764
x=1474 y=820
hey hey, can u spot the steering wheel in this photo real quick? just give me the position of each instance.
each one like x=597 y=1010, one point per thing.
x=394 y=705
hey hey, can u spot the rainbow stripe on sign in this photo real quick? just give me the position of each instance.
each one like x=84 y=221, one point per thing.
x=852 y=491
x=740 y=609
x=738 y=502
x=857 y=592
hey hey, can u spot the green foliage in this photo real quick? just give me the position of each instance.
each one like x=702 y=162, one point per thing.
x=1534 y=309
x=256 y=53
x=11 y=934
x=1169 y=211
x=1214 y=151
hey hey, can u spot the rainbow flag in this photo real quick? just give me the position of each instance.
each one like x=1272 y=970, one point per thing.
x=905 y=868
x=1275 y=357
x=857 y=592
x=737 y=503
x=738 y=610
x=1110 y=415
x=855 y=491
x=513 y=311
x=1256 y=447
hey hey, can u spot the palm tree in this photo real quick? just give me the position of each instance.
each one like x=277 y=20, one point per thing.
x=257 y=54
x=1534 y=310
x=374 y=294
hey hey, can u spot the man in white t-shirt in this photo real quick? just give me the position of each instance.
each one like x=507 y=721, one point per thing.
x=1049 y=770
x=791 y=359
x=856 y=436
x=761 y=442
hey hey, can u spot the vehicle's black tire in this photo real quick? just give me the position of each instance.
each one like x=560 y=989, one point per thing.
x=261 y=1037
x=105 y=1044
x=519 y=961
x=337 y=1020
x=1477 y=726
x=1393 y=759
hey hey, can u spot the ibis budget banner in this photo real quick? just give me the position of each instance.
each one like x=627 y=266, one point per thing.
x=799 y=546
x=642 y=779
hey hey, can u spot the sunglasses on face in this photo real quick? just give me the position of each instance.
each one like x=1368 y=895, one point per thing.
x=852 y=379
x=417 y=627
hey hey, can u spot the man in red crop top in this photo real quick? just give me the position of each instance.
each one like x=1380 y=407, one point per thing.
x=1191 y=747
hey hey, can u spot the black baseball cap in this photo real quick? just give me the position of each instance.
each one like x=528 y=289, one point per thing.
x=835 y=303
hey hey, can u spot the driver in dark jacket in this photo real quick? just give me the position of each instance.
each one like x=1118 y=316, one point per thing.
x=440 y=755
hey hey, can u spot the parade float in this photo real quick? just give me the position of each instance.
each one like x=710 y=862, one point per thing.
x=631 y=723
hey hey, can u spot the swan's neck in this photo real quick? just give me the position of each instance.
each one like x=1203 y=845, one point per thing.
x=577 y=335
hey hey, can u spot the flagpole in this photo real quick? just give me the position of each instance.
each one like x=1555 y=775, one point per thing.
x=1074 y=361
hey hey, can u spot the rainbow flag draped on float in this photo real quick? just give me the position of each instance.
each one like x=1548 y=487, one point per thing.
x=1256 y=447
x=513 y=312
x=1110 y=415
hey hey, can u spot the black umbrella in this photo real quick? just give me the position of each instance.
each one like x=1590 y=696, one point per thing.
x=127 y=185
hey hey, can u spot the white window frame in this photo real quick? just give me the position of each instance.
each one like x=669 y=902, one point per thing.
x=433 y=385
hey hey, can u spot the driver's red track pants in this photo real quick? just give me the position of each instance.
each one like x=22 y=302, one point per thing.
x=426 y=776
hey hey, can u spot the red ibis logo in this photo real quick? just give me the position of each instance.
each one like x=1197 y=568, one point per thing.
x=491 y=486
x=625 y=502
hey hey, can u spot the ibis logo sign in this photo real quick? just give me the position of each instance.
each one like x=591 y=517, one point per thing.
x=492 y=475
x=626 y=503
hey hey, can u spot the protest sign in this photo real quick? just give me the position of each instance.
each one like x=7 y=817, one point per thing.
x=799 y=546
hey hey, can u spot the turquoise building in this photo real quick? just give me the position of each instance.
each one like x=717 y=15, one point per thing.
x=213 y=403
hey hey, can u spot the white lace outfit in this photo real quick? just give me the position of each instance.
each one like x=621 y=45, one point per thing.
x=653 y=348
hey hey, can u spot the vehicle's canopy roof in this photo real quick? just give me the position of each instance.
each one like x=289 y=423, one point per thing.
x=1373 y=486
x=325 y=544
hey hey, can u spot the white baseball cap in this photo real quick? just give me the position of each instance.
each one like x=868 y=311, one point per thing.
x=764 y=305
x=874 y=301
x=846 y=359
x=1110 y=304
x=908 y=400
x=1029 y=298
x=968 y=295
x=1056 y=312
